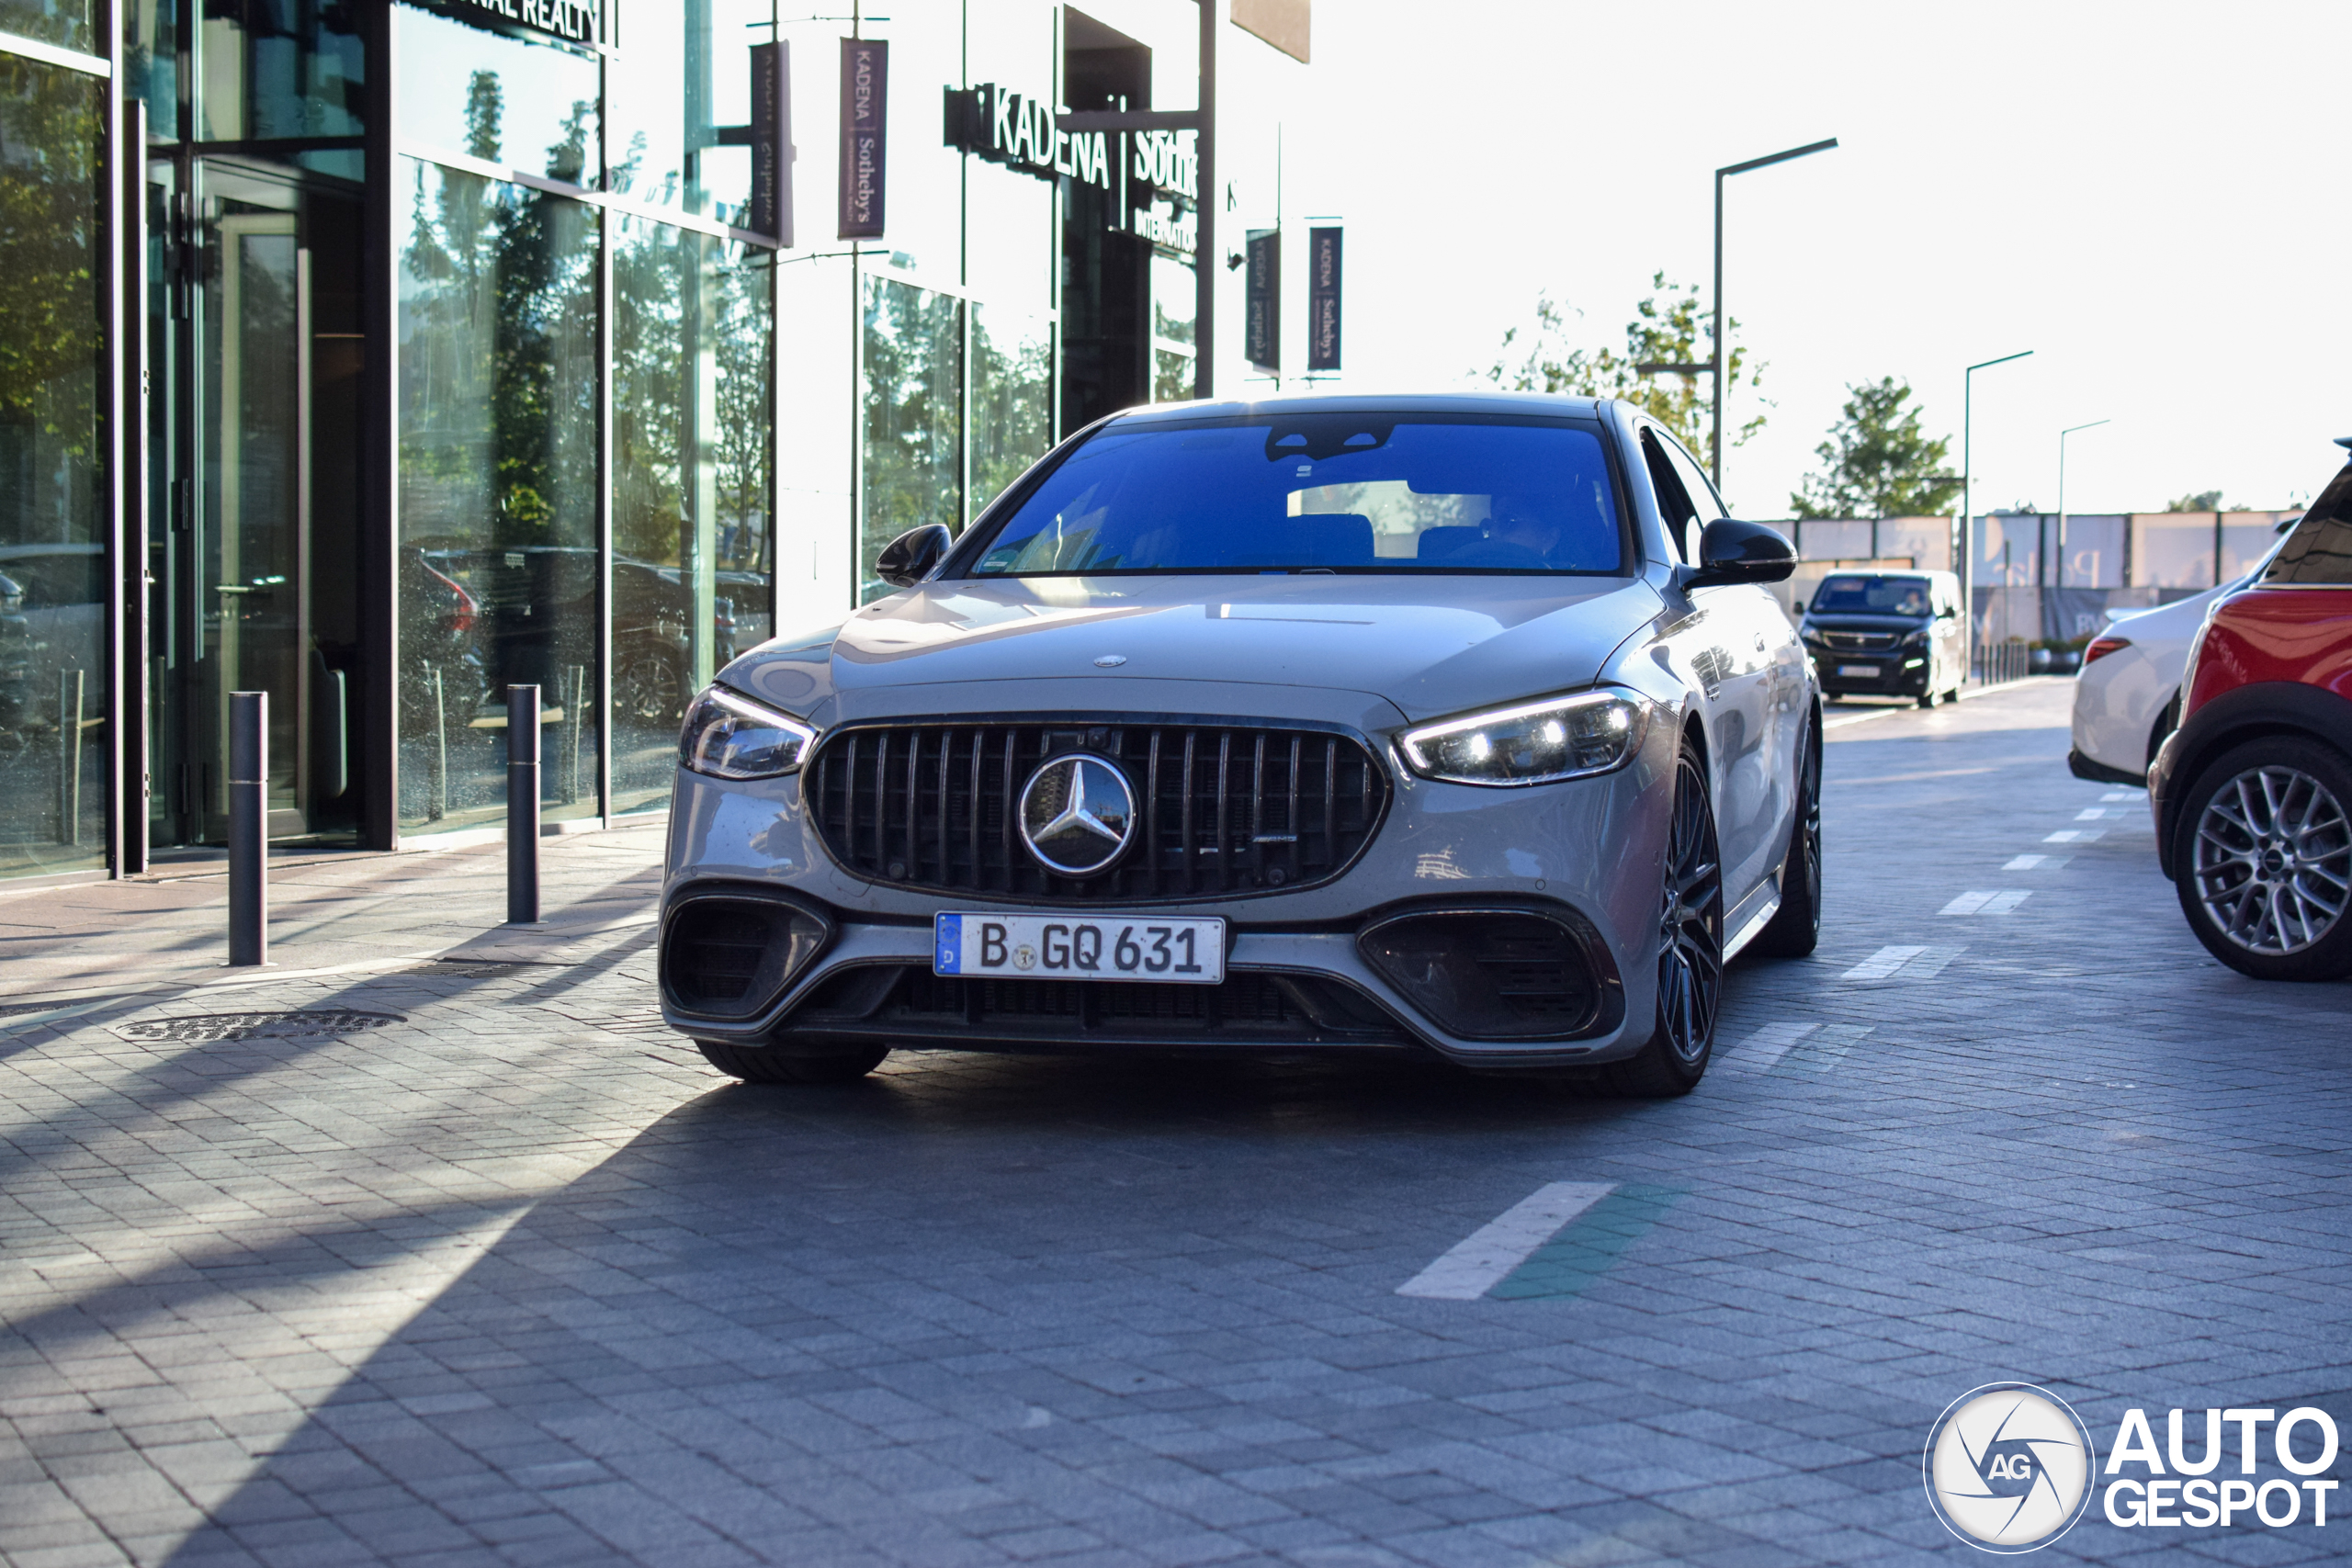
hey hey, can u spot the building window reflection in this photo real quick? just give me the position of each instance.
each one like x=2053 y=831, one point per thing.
x=1013 y=396
x=912 y=451
x=497 y=556
x=692 y=507
x=52 y=558
x=504 y=100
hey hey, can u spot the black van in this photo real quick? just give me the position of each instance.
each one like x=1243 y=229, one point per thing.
x=1888 y=634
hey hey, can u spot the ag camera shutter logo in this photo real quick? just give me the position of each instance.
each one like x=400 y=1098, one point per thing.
x=2009 y=1467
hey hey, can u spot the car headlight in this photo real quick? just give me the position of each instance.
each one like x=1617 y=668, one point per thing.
x=731 y=737
x=1559 y=737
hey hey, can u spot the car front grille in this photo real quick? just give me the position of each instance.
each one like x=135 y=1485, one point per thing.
x=1223 y=809
x=1857 y=641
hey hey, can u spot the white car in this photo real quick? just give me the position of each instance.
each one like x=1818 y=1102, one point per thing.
x=2128 y=696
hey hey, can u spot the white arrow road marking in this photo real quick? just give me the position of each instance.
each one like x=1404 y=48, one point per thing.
x=1488 y=1256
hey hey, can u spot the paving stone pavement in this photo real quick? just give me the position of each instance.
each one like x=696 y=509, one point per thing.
x=476 y=1265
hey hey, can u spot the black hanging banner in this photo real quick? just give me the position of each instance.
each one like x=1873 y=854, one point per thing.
x=865 y=97
x=1261 y=327
x=1323 y=299
x=771 y=151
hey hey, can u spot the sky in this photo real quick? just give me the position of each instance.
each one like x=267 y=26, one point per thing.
x=2149 y=196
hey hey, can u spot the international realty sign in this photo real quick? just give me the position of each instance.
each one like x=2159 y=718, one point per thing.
x=573 y=21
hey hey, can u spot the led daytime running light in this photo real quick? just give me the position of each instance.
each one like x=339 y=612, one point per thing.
x=1539 y=743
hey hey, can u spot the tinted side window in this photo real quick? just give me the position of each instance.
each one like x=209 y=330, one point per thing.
x=1674 y=508
x=1695 y=483
x=2320 y=549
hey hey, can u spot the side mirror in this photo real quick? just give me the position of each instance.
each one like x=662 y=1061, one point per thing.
x=1730 y=551
x=913 y=555
x=1796 y=606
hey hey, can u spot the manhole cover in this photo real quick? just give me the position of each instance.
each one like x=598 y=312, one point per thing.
x=218 y=1026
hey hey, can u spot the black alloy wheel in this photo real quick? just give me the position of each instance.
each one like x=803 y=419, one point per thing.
x=1690 y=950
x=1796 y=930
x=2265 y=860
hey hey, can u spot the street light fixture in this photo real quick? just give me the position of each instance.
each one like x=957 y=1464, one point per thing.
x=1721 y=361
x=1967 y=563
x=2062 y=494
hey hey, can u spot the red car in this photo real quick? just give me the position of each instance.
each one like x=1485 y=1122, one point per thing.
x=2252 y=793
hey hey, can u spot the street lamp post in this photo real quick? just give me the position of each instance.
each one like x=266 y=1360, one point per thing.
x=1721 y=359
x=1967 y=563
x=2061 y=494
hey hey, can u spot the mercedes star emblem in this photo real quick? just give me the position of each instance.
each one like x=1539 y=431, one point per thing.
x=1078 y=814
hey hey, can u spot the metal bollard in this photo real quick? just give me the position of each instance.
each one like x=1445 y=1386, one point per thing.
x=522 y=806
x=248 y=828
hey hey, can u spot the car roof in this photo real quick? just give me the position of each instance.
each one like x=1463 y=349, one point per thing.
x=1499 y=402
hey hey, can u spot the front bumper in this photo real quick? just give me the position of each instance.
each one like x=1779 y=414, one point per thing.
x=1285 y=991
x=1588 y=852
x=1899 y=674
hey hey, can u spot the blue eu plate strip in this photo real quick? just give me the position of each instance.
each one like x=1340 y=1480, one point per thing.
x=951 y=943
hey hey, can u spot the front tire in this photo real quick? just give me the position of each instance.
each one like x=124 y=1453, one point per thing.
x=1690 y=951
x=767 y=1065
x=1796 y=930
x=2263 y=854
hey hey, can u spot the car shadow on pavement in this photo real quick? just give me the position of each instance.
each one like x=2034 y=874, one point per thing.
x=816 y=1324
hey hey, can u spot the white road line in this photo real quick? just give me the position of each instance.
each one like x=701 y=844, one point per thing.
x=2075 y=836
x=1760 y=1050
x=1879 y=966
x=1826 y=1049
x=2036 y=863
x=1486 y=1256
x=2124 y=794
x=1931 y=962
x=1996 y=901
x=2090 y=814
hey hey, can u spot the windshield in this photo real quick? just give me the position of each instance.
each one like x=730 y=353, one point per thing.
x=1328 y=492
x=1873 y=596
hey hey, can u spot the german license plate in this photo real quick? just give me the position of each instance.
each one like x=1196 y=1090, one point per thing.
x=1858 y=672
x=1079 y=947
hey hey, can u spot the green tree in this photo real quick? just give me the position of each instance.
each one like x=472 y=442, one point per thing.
x=1878 y=463
x=1670 y=326
x=2202 y=501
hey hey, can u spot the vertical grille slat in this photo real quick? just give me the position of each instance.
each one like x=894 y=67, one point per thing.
x=972 y=809
x=1274 y=808
x=1151 y=817
x=1224 y=803
x=1331 y=802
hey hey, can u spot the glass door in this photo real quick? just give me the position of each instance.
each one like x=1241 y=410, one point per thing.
x=250 y=609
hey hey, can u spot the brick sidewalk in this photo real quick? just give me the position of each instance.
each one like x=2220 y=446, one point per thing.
x=471 y=1262
x=169 y=931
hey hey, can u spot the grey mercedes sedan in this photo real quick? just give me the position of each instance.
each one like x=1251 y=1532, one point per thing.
x=1450 y=724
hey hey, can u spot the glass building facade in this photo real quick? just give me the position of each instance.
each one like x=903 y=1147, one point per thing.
x=381 y=356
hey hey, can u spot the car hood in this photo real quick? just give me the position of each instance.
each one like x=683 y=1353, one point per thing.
x=1430 y=645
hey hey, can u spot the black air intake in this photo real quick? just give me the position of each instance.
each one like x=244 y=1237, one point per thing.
x=729 y=956
x=1488 y=974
